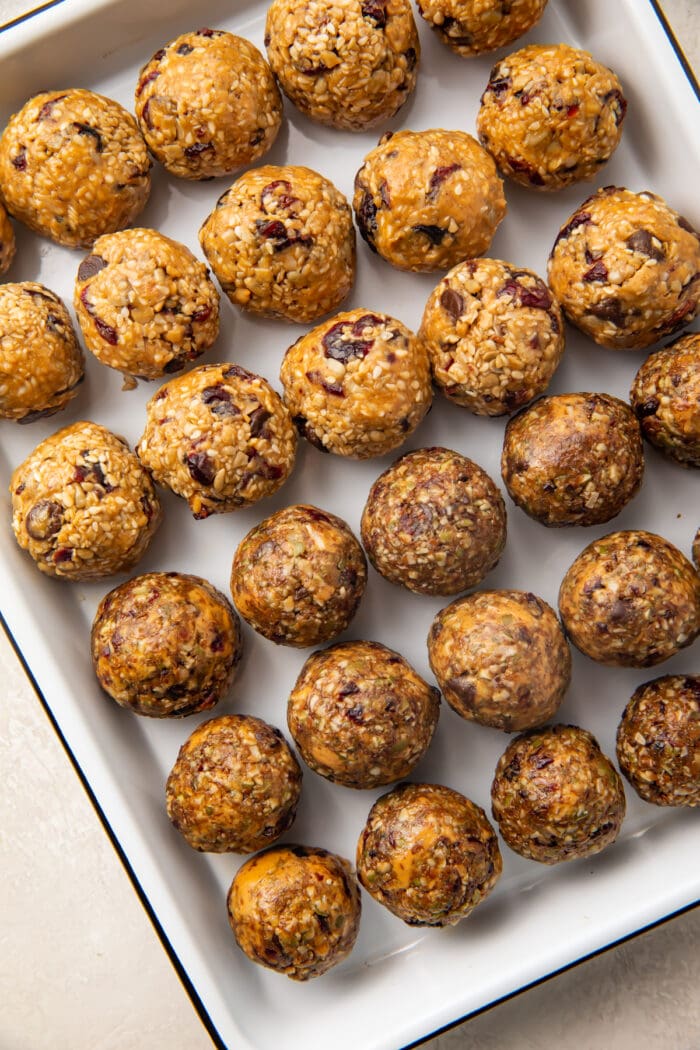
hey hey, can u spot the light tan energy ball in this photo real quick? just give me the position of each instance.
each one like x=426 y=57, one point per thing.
x=428 y=854
x=425 y=200
x=220 y=437
x=357 y=385
x=658 y=741
x=360 y=715
x=41 y=363
x=551 y=116
x=145 y=304
x=631 y=599
x=7 y=241
x=165 y=644
x=665 y=396
x=234 y=787
x=207 y=104
x=501 y=659
x=298 y=577
x=83 y=506
x=296 y=910
x=73 y=165
x=348 y=63
x=282 y=244
x=573 y=459
x=434 y=522
x=475 y=27
x=624 y=267
x=494 y=334
x=556 y=796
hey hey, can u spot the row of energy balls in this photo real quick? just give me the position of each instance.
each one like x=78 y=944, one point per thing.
x=311 y=948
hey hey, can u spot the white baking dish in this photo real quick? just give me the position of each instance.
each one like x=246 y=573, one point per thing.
x=399 y=985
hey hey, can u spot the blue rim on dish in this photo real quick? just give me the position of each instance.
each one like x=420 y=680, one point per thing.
x=175 y=959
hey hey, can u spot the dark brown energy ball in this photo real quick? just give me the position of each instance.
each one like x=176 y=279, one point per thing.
x=556 y=796
x=360 y=715
x=630 y=599
x=234 y=787
x=434 y=522
x=298 y=576
x=475 y=27
x=296 y=910
x=551 y=115
x=658 y=741
x=573 y=459
x=428 y=854
x=166 y=644
x=666 y=398
x=207 y=104
x=501 y=659
x=624 y=268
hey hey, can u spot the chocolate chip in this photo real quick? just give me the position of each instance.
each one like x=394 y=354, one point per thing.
x=463 y=687
x=201 y=467
x=411 y=58
x=597 y=272
x=438 y=177
x=175 y=364
x=452 y=303
x=435 y=234
x=609 y=309
x=93 y=133
x=307 y=431
x=257 y=137
x=258 y=419
x=238 y=372
x=375 y=11
x=355 y=714
x=641 y=241
x=184 y=49
x=366 y=215
x=499 y=84
x=91 y=265
x=44 y=519
x=219 y=401
x=581 y=218
x=647 y=408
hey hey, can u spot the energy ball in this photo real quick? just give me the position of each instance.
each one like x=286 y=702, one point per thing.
x=7 y=241
x=556 y=796
x=357 y=385
x=425 y=200
x=573 y=459
x=494 y=334
x=220 y=437
x=624 y=268
x=282 y=244
x=145 y=304
x=166 y=644
x=665 y=396
x=630 y=599
x=83 y=507
x=296 y=910
x=41 y=363
x=360 y=715
x=474 y=27
x=428 y=854
x=73 y=165
x=434 y=522
x=348 y=63
x=298 y=576
x=234 y=787
x=501 y=659
x=658 y=741
x=551 y=116
x=207 y=104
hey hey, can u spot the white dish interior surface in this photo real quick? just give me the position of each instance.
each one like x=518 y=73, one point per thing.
x=399 y=984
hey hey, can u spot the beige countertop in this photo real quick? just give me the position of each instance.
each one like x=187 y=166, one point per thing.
x=82 y=969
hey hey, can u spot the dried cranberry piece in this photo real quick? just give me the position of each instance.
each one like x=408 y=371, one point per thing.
x=609 y=309
x=641 y=241
x=342 y=342
x=184 y=49
x=175 y=364
x=616 y=96
x=384 y=193
x=284 y=199
x=197 y=148
x=349 y=689
x=307 y=431
x=144 y=81
x=540 y=761
x=206 y=32
x=573 y=110
x=108 y=333
x=597 y=272
x=160 y=54
x=581 y=218
x=679 y=317
x=62 y=554
x=366 y=215
x=87 y=129
x=272 y=229
x=20 y=161
x=499 y=84
x=355 y=714
x=463 y=687
x=647 y=408
x=45 y=110
x=201 y=467
x=238 y=372
x=461 y=37
x=522 y=166
x=375 y=10
x=411 y=58
x=203 y=314
x=329 y=385
x=44 y=519
x=262 y=469
x=257 y=137
x=452 y=303
x=435 y=234
x=258 y=419
x=91 y=265
x=538 y=297
x=438 y=177
x=219 y=401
